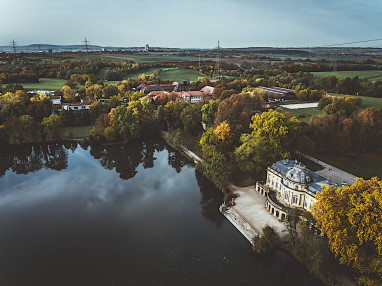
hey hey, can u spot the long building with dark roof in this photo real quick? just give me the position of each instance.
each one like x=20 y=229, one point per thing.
x=274 y=92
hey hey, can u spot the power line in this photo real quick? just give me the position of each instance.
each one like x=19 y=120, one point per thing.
x=350 y=43
x=217 y=66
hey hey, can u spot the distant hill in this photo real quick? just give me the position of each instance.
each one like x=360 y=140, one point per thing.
x=71 y=48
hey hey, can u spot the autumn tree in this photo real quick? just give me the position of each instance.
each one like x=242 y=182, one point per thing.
x=350 y=216
x=53 y=125
x=28 y=126
x=223 y=136
x=68 y=93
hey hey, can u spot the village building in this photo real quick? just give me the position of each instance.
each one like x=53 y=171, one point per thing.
x=277 y=93
x=55 y=99
x=195 y=96
x=84 y=104
x=290 y=184
x=208 y=90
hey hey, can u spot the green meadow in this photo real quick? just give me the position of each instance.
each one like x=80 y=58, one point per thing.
x=370 y=75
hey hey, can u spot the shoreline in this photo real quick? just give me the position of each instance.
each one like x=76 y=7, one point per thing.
x=249 y=214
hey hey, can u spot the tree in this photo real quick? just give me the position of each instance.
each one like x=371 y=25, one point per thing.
x=69 y=94
x=276 y=129
x=350 y=216
x=109 y=91
x=95 y=110
x=268 y=241
x=254 y=154
x=223 y=136
x=191 y=117
x=53 y=125
x=209 y=111
x=216 y=166
x=4 y=136
x=28 y=125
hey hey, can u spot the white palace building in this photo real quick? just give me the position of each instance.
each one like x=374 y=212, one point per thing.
x=290 y=184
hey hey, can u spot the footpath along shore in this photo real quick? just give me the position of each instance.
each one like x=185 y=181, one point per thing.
x=249 y=214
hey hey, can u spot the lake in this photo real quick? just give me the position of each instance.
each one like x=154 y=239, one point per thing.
x=134 y=214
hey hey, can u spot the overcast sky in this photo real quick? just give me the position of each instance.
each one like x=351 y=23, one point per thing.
x=191 y=24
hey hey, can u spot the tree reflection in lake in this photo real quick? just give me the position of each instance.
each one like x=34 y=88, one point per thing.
x=32 y=157
x=210 y=199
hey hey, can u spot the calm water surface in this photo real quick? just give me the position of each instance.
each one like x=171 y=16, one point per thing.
x=135 y=214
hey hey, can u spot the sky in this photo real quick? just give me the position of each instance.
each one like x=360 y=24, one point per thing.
x=191 y=23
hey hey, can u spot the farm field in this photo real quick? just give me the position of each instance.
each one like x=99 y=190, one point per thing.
x=370 y=75
x=364 y=165
x=366 y=101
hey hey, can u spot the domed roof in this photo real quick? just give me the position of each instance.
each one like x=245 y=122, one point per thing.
x=299 y=174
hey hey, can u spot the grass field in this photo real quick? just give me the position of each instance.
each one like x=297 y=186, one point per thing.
x=366 y=101
x=371 y=75
x=177 y=74
x=45 y=84
x=78 y=132
x=304 y=114
x=364 y=165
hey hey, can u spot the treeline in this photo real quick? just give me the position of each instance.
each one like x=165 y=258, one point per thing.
x=344 y=127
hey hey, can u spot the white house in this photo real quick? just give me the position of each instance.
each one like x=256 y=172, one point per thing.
x=83 y=105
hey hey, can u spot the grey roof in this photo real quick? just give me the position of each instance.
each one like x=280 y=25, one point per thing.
x=297 y=172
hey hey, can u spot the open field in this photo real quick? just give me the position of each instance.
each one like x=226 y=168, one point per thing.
x=137 y=58
x=304 y=114
x=45 y=84
x=78 y=132
x=365 y=165
x=173 y=74
x=371 y=75
x=177 y=74
x=366 y=101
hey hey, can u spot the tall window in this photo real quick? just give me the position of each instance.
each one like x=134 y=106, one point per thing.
x=286 y=196
x=295 y=199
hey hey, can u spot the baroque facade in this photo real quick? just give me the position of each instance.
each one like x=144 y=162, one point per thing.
x=290 y=184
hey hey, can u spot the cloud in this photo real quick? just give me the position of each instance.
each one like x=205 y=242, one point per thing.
x=197 y=23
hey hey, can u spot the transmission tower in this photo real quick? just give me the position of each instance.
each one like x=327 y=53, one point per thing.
x=86 y=45
x=334 y=64
x=217 y=66
x=13 y=45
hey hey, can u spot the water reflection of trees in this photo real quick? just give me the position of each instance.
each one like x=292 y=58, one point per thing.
x=126 y=158
x=176 y=160
x=210 y=199
x=32 y=157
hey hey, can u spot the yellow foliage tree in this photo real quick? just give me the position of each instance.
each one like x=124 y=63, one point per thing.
x=350 y=216
x=223 y=135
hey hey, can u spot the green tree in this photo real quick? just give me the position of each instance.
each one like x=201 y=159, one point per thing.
x=267 y=241
x=53 y=125
x=109 y=91
x=209 y=111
